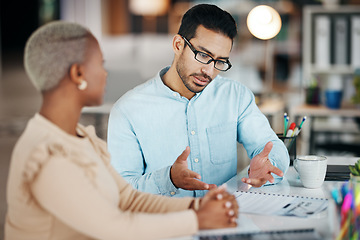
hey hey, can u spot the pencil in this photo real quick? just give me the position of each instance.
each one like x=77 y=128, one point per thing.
x=302 y=122
x=285 y=124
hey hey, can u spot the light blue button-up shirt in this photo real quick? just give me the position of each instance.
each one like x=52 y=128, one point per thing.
x=151 y=125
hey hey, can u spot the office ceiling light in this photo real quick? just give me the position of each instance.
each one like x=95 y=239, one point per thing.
x=264 y=22
x=149 y=7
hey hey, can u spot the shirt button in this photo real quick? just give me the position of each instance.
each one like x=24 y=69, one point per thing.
x=174 y=94
x=192 y=132
x=189 y=103
x=172 y=193
x=196 y=160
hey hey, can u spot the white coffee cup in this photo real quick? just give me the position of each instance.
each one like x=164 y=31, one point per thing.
x=311 y=169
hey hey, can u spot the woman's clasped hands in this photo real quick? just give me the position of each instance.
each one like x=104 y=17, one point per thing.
x=217 y=209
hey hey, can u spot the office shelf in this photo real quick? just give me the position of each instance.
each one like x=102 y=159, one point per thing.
x=327 y=122
x=335 y=69
x=310 y=69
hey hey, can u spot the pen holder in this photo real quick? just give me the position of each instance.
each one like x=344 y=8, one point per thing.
x=290 y=143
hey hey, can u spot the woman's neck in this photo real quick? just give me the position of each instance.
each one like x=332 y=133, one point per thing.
x=62 y=112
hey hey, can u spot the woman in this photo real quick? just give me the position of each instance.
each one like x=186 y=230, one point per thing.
x=61 y=184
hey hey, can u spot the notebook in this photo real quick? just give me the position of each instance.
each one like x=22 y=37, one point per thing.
x=337 y=173
x=279 y=204
x=298 y=234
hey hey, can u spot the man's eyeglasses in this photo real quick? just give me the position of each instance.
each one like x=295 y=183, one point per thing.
x=206 y=58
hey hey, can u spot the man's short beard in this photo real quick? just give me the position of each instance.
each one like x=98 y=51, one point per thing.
x=183 y=79
x=187 y=83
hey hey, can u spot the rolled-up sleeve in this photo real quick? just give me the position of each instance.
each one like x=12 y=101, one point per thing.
x=127 y=158
x=254 y=131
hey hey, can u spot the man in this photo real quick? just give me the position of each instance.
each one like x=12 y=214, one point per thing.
x=188 y=106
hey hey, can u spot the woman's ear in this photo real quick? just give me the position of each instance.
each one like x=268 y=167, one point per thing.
x=76 y=73
x=178 y=44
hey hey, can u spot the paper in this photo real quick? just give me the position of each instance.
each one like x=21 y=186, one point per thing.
x=279 y=205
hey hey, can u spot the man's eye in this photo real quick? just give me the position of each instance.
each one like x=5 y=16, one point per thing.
x=220 y=63
x=203 y=55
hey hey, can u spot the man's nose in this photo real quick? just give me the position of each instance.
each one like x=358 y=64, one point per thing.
x=208 y=69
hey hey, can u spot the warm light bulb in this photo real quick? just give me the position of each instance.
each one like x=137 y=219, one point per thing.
x=264 y=16
x=149 y=7
x=264 y=22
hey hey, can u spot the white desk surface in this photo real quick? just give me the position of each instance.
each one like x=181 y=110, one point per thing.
x=326 y=223
x=102 y=109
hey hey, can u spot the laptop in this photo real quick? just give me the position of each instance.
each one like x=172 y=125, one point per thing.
x=299 y=234
x=337 y=173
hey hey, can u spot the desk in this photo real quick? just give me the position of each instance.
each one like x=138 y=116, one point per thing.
x=326 y=223
x=309 y=128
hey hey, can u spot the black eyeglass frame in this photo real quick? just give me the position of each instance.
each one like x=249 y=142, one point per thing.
x=192 y=48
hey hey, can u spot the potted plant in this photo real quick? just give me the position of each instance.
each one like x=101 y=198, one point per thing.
x=354 y=216
x=313 y=93
x=355 y=169
x=356 y=98
x=355 y=176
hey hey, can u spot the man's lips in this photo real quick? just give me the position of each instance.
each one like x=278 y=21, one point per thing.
x=202 y=81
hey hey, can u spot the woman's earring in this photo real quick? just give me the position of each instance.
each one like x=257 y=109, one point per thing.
x=83 y=85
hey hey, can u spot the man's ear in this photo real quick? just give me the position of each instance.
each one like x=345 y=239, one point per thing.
x=178 y=44
x=76 y=73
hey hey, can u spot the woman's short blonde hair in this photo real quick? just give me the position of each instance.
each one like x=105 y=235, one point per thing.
x=51 y=50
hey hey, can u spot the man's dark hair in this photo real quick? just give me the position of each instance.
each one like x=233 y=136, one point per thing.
x=211 y=17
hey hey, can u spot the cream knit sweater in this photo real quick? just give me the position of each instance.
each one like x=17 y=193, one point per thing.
x=63 y=187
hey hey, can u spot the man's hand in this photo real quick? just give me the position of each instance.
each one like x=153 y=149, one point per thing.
x=183 y=177
x=218 y=209
x=261 y=168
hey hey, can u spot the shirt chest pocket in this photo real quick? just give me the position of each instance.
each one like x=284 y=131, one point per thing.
x=222 y=143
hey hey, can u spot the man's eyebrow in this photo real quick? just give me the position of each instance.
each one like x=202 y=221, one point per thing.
x=210 y=53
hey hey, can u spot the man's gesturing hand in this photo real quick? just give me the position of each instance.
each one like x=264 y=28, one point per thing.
x=184 y=178
x=261 y=168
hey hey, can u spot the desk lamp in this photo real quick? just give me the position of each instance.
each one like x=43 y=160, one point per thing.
x=264 y=23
